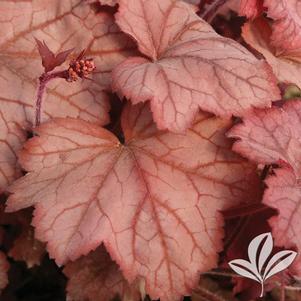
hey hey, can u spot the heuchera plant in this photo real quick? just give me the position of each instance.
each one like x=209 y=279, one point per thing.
x=145 y=143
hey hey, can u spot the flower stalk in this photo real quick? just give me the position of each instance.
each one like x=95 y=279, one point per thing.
x=78 y=68
x=44 y=79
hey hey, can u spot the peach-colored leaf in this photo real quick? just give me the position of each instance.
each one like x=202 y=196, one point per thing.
x=4 y=266
x=62 y=24
x=257 y=34
x=96 y=277
x=271 y=136
x=189 y=66
x=286 y=35
x=251 y=8
x=284 y=194
x=154 y=201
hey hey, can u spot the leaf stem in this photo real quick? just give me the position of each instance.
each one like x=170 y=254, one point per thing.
x=41 y=89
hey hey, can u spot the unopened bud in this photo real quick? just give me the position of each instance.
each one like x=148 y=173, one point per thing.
x=80 y=69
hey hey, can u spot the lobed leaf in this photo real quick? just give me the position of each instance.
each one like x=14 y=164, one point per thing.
x=286 y=36
x=271 y=136
x=258 y=35
x=62 y=24
x=187 y=66
x=154 y=201
x=284 y=194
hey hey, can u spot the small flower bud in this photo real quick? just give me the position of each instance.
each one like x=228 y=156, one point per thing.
x=80 y=68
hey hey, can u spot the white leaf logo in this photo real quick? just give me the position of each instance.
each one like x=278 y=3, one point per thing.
x=260 y=267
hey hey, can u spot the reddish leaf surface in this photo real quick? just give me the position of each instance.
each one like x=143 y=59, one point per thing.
x=96 y=277
x=153 y=201
x=271 y=136
x=286 y=35
x=4 y=266
x=241 y=231
x=188 y=67
x=257 y=34
x=22 y=245
x=284 y=194
x=49 y=59
x=26 y=248
x=251 y=8
x=63 y=25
